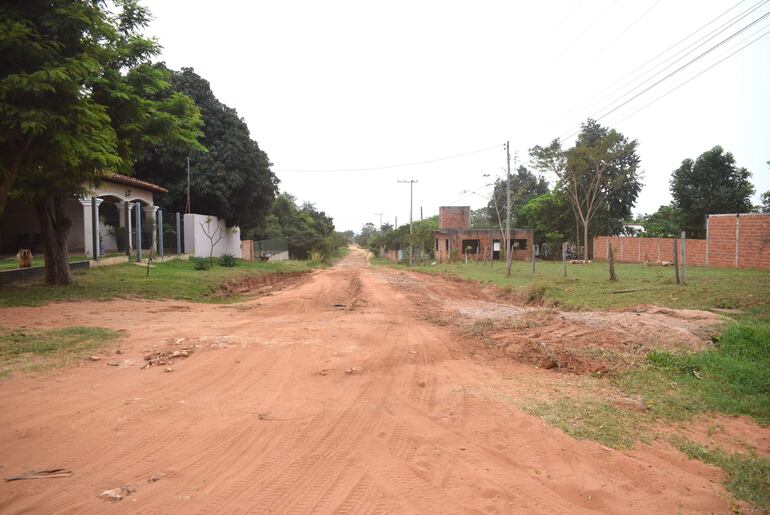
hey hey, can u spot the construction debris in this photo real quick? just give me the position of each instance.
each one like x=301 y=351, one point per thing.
x=94 y=358
x=116 y=494
x=166 y=357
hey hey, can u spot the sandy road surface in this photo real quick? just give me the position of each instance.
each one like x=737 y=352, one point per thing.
x=249 y=424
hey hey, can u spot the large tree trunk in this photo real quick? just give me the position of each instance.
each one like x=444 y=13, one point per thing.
x=54 y=229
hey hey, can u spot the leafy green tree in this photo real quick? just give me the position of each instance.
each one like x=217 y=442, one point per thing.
x=598 y=175
x=664 y=223
x=550 y=217
x=764 y=207
x=233 y=180
x=306 y=229
x=711 y=184
x=77 y=101
x=525 y=186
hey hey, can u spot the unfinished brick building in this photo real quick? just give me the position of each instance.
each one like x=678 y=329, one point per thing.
x=455 y=238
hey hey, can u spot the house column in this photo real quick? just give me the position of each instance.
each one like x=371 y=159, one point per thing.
x=90 y=230
x=124 y=221
x=151 y=212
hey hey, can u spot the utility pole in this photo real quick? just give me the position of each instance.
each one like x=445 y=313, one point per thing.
x=508 y=211
x=421 y=213
x=380 y=215
x=411 y=227
x=189 y=207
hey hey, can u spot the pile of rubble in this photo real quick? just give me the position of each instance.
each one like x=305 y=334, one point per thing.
x=166 y=357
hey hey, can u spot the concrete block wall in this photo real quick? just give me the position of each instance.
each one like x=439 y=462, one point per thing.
x=197 y=244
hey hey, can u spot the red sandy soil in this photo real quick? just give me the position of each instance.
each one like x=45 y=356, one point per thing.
x=290 y=404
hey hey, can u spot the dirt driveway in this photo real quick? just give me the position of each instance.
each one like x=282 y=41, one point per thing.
x=332 y=395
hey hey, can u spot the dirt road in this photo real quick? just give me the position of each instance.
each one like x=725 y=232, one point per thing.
x=328 y=396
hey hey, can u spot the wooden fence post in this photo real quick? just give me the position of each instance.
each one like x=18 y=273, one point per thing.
x=684 y=257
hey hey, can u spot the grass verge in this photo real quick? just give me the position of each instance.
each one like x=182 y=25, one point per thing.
x=174 y=279
x=747 y=476
x=586 y=286
x=591 y=420
x=34 y=350
x=733 y=378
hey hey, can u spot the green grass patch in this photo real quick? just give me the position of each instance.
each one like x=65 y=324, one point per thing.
x=733 y=378
x=592 y=420
x=174 y=279
x=586 y=286
x=747 y=476
x=31 y=350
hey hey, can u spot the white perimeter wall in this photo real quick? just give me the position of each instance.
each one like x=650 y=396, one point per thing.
x=196 y=243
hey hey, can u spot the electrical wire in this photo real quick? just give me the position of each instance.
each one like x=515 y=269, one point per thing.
x=580 y=36
x=645 y=106
x=637 y=20
x=388 y=167
x=622 y=82
x=684 y=66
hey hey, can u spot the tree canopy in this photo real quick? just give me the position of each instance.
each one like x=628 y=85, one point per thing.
x=711 y=184
x=598 y=176
x=525 y=186
x=663 y=223
x=232 y=180
x=306 y=229
x=78 y=100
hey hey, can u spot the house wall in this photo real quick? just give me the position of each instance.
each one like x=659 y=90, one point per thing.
x=19 y=227
x=733 y=241
x=485 y=236
x=197 y=244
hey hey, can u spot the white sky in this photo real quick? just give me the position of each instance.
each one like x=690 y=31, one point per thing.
x=338 y=85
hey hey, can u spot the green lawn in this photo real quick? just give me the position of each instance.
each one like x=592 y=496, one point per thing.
x=175 y=279
x=586 y=286
x=27 y=350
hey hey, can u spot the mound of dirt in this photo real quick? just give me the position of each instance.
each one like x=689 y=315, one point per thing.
x=260 y=283
x=508 y=324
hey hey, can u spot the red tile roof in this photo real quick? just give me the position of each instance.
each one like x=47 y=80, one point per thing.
x=133 y=181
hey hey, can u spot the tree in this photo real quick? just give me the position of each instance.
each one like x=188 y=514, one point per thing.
x=765 y=206
x=232 y=181
x=550 y=217
x=78 y=101
x=598 y=175
x=711 y=184
x=663 y=223
x=525 y=186
x=306 y=229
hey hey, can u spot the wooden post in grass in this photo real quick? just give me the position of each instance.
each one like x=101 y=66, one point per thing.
x=611 y=256
x=684 y=257
x=676 y=262
x=533 y=251
x=564 y=256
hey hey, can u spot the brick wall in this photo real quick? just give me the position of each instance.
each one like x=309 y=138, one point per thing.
x=454 y=217
x=719 y=250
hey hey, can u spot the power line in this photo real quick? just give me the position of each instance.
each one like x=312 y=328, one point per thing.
x=633 y=23
x=388 y=167
x=696 y=75
x=590 y=25
x=622 y=82
x=648 y=88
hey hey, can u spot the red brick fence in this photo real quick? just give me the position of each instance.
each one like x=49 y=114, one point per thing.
x=732 y=241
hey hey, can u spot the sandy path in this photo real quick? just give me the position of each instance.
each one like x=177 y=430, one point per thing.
x=248 y=424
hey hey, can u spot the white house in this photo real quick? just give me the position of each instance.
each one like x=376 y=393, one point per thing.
x=117 y=198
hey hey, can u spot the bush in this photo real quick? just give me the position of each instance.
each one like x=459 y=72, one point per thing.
x=227 y=260
x=200 y=263
x=315 y=256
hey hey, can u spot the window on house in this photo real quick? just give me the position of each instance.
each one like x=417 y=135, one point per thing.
x=519 y=244
x=436 y=243
x=446 y=244
x=470 y=246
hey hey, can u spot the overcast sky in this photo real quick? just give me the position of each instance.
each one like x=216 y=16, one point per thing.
x=349 y=85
